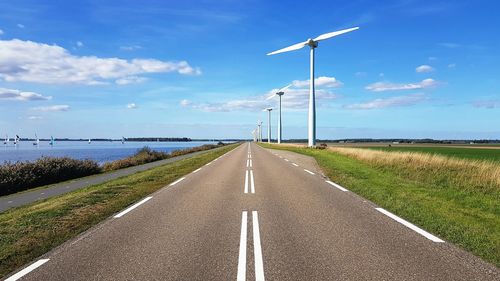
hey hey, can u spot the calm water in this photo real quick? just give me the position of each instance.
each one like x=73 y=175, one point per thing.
x=100 y=151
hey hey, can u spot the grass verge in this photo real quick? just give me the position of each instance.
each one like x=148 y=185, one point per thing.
x=457 y=152
x=30 y=231
x=468 y=217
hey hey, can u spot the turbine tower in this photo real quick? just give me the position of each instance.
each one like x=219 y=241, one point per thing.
x=279 y=93
x=269 y=109
x=259 y=126
x=312 y=43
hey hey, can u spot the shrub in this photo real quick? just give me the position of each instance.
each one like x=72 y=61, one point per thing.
x=142 y=156
x=19 y=176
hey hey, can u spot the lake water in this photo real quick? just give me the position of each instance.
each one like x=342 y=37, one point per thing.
x=100 y=151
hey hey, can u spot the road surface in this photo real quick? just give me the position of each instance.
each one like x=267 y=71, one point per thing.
x=29 y=196
x=254 y=215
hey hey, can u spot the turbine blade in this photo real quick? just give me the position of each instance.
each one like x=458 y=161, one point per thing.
x=271 y=96
x=285 y=88
x=333 y=34
x=289 y=48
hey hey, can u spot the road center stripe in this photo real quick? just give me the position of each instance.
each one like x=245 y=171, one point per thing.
x=251 y=181
x=242 y=259
x=257 y=250
x=309 y=171
x=246 y=181
x=132 y=207
x=410 y=226
x=27 y=270
x=295 y=164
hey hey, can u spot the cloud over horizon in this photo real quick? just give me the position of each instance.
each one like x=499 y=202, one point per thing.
x=52 y=108
x=389 y=102
x=13 y=94
x=29 y=61
x=387 y=86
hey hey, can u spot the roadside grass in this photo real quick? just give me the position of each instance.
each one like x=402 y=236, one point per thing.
x=466 y=216
x=30 y=231
x=458 y=152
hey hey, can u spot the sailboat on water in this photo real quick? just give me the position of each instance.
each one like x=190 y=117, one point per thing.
x=6 y=141
x=16 y=140
x=51 y=140
x=123 y=140
x=37 y=140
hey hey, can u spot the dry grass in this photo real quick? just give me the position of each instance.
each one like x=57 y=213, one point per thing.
x=473 y=175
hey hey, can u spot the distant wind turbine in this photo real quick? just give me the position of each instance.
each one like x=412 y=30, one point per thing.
x=312 y=43
x=279 y=93
x=269 y=109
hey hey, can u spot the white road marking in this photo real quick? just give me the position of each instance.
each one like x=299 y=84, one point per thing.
x=257 y=250
x=208 y=163
x=132 y=207
x=249 y=156
x=337 y=186
x=251 y=181
x=242 y=259
x=197 y=170
x=410 y=226
x=246 y=181
x=27 y=270
x=177 y=181
x=286 y=160
x=295 y=164
x=9 y=202
x=309 y=171
x=250 y=162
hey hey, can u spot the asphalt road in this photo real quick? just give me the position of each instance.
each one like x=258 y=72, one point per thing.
x=252 y=215
x=29 y=196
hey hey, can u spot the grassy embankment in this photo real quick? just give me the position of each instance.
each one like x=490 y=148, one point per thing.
x=456 y=199
x=468 y=153
x=30 y=231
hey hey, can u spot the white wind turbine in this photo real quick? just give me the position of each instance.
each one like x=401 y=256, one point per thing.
x=269 y=109
x=279 y=93
x=312 y=43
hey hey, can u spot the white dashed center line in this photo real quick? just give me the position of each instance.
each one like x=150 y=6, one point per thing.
x=309 y=171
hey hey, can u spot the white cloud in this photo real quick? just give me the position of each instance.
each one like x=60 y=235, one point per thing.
x=322 y=81
x=452 y=65
x=130 y=48
x=424 y=68
x=1 y=32
x=132 y=106
x=34 y=117
x=50 y=108
x=386 y=86
x=389 y=102
x=28 y=61
x=130 y=80
x=12 y=94
x=294 y=99
x=79 y=43
x=20 y=25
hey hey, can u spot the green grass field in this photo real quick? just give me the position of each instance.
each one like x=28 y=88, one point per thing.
x=29 y=231
x=452 y=202
x=458 y=152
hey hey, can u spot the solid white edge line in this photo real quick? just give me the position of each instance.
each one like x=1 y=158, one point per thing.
x=242 y=258
x=177 y=181
x=252 y=185
x=246 y=181
x=309 y=171
x=27 y=270
x=257 y=250
x=119 y=215
x=411 y=226
x=295 y=164
x=337 y=186
x=196 y=171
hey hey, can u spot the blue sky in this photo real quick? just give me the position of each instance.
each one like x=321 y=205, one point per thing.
x=414 y=69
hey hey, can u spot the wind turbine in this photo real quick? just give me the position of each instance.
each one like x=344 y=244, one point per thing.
x=269 y=109
x=259 y=125
x=279 y=93
x=312 y=43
